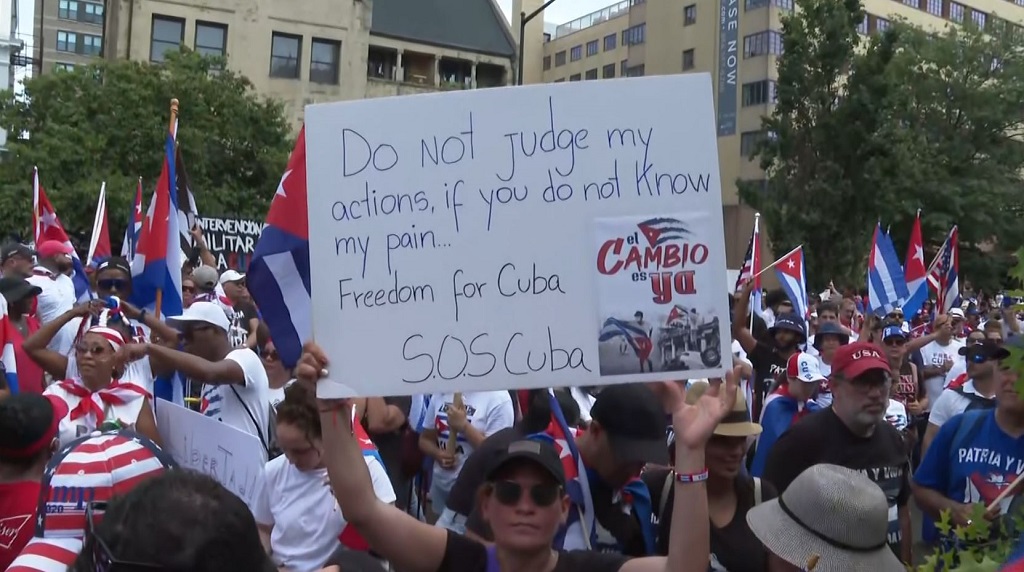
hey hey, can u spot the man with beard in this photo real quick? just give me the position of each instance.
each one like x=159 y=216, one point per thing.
x=768 y=358
x=52 y=276
x=853 y=433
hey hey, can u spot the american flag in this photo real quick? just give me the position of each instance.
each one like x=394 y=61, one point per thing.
x=751 y=265
x=949 y=280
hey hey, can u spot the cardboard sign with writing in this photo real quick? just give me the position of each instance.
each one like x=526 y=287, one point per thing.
x=549 y=235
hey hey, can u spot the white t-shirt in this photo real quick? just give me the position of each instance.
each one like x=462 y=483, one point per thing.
x=585 y=401
x=57 y=296
x=950 y=404
x=934 y=354
x=221 y=402
x=304 y=513
x=275 y=396
x=69 y=430
x=488 y=411
x=824 y=397
x=959 y=368
x=896 y=415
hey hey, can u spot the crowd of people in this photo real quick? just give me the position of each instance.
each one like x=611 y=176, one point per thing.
x=812 y=454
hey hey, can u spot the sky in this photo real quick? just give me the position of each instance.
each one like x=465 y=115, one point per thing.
x=563 y=11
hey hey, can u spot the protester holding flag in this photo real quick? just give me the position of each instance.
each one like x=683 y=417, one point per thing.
x=57 y=290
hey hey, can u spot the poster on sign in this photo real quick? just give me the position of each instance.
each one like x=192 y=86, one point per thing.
x=231 y=241
x=548 y=235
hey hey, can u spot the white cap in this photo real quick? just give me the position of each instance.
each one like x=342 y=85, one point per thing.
x=956 y=313
x=805 y=368
x=207 y=312
x=231 y=276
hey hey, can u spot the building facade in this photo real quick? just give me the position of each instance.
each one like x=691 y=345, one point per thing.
x=738 y=42
x=300 y=53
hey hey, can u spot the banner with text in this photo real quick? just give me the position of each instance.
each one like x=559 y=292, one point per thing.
x=549 y=235
x=232 y=241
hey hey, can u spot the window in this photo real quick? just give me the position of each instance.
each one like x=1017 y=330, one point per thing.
x=934 y=7
x=609 y=41
x=560 y=58
x=688 y=60
x=92 y=13
x=762 y=43
x=593 y=47
x=623 y=66
x=956 y=12
x=979 y=18
x=881 y=24
x=635 y=71
x=167 y=35
x=91 y=45
x=285 y=50
x=576 y=53
x=755 y=4
x=67 y=41
x=63 y=67
x=323 y=61
x=591 y=74
x=862 y=28
x=211 y=39
x=759 y=93
x=547 y=63
x=634 y=35
x=67 y=10
x=911 y=3
x=690 y=15
x=560 y=80
x=608 y=71
x=749 y=142
x=574 y=77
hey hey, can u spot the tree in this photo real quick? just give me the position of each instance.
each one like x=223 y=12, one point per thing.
x=915 y=120
x=107 y=122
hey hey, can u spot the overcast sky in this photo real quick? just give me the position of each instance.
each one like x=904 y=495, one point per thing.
x=563 y=11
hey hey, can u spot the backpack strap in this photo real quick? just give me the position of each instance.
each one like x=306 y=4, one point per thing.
x=757 y=491
x=967 y=430
x=666 y=490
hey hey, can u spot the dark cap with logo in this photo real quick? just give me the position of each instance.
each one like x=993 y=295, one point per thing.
x=983 y=351
x=12 y=249
x=635 y=421
x=17 y=289
x=537 y=452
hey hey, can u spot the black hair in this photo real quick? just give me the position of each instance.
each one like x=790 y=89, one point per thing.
x=299 y=409
x=776 y=297
x=183 y=521
x=828 y=306
x=115 y=263
x=24 y=419
x=262 y=336
x=538 y=415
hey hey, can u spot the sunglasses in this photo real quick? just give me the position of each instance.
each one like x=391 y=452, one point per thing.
x=102 y=558
x=895 y=342
x=190 y=332
x=113 y=284
x=94 y=351
x=269 y=354
x=188 y=289
x=509 y=493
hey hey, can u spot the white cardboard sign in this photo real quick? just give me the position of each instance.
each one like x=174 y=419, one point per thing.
x=233 y=458
x=549 y=235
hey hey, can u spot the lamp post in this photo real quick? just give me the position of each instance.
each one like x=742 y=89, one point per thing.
x=524 y=19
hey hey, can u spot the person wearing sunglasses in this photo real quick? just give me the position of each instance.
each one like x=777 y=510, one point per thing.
x=524 y=499
x=113 y=277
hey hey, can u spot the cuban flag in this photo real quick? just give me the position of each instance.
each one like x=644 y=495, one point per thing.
x=131 y=232
x=1015 y=563
x=156 y=266
x=48 y=227
x=751 y=267
x=580 y=530
x=790 y=270
x=638 y=338
x=7 y=348
x=949 y=272
x=187 y=211
x=99 y=243
x=887 y=288
x=278 y=277
x=914 y=272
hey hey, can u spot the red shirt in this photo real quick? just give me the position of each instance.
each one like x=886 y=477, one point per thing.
x=30 y=375
x=18 y=502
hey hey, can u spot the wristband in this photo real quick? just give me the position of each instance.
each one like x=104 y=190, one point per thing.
x=691 y=478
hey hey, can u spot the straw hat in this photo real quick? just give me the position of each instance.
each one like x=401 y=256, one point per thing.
x=830 y=514
x=737 y=422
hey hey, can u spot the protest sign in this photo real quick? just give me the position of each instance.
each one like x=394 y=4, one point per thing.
x=549 y=235
x=231 y=241
x=233 y=458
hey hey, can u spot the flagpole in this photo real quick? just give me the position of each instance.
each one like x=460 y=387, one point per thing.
x=171 y=128
x=754 y=256
x=35 y=206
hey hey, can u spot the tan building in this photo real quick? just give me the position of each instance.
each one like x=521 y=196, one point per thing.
x=298 y=52
x=737 y=41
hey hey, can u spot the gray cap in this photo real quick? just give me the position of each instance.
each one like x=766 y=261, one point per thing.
x=205 y=278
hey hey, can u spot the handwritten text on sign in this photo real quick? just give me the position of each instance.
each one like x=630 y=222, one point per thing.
x=233 y=458
x=451 y=236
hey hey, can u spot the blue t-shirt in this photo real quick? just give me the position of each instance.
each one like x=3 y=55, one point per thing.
x=979 y=468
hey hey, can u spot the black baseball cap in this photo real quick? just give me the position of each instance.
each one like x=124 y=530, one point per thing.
x=983 y=351
x=117 y=263
x=635 y=421
x=537 y=452
x=12 y=249
x=17 y=289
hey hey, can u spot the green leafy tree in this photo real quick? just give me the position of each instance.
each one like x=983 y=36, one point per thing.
x=108 y=121
x=913 y=121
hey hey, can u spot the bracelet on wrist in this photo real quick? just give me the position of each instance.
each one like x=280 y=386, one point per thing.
x=688 y=478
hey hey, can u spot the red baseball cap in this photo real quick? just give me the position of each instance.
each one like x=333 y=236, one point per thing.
x=854 y=359
x=51 y=248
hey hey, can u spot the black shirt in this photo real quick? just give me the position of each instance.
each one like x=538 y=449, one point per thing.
x=767 y=363
x=389 y=445
x=823 y=438
x=733 y=547
x=462 y=497
x=464 y=555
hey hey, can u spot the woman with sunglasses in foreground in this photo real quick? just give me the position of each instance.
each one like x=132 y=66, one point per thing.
x=523 y=499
